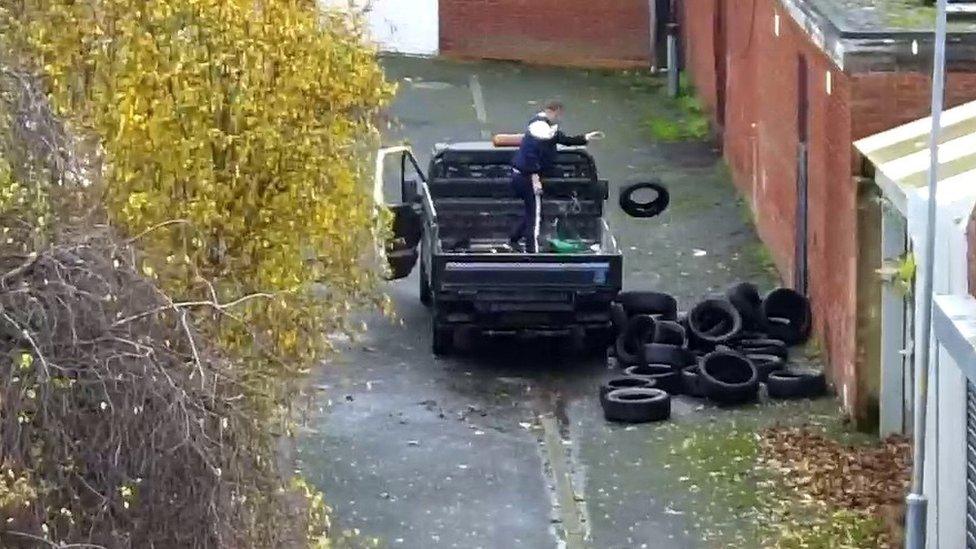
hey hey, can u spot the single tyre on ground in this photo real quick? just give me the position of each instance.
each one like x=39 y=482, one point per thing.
x=637 y=405
x=624 y=382
x=788 y=314
x=746 y=299
x=729 y=378
x=640 y=330
x=796 y=383
x=664 y=376
x=691 y=381
x=713 y=322
x=650 y=208
x=649 y=303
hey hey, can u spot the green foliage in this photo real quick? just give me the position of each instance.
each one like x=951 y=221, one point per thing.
x=228 y=139
x=678 y=119
x=233 y=135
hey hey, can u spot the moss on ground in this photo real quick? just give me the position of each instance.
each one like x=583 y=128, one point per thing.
x=670 y=119
x=732 y=501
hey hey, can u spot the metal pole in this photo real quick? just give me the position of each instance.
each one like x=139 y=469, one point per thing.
x=916 y=502
x=673 y=87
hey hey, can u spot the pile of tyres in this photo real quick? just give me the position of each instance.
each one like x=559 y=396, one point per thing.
x=722 y=349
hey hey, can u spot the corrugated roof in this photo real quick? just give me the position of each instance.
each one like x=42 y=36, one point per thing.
x=901 y=155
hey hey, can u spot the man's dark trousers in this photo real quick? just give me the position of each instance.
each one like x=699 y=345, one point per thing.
x=528 y=227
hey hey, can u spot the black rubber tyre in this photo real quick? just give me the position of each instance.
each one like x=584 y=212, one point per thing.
x=649 y=303
x=796 y=383
x=729 y=378
x=639 y=331
x=746 y=299
x=637 y=405
x=691 y=382
x=670 y=332
x=766 y=364
x=624 y=382
x=713 y=322
x=792 y=306
x=441 y=339
x=662 y=353
x=407 y=226
x=664 y=375
x=644 y=209
x=763 y=347
x=426 y=297
x=618 y=316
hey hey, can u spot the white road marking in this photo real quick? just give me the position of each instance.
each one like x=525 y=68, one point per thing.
x=479 y=105
x=568 y=505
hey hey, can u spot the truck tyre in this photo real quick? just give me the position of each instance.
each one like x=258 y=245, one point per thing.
x=766 y=364
x=637 y=405
x=649 y=303
x=669 y=332
x=745 y=298
x=662 y=353
x=794 y=308
x=796 y=383
x=425 y=294
x=624 y=382
x=714 y=322
x=639 y=331
x=644 y=209
x=763 y=347
x=729 y=378
x=442 y=339
x=664 y=376
x=691 y=381
x=618 y=315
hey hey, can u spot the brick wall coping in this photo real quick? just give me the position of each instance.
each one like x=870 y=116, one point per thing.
x=857 y=44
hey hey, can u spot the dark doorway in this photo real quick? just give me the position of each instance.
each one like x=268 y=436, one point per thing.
x=720 y=63
x=662 y=16
x=802 y=151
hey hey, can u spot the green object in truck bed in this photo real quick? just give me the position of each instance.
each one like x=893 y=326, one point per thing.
x=572 y=246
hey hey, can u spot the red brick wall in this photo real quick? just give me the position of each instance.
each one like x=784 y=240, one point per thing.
x=612 y=33
x=760 y=141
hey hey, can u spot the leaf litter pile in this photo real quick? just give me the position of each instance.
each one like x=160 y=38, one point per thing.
x=843 y=495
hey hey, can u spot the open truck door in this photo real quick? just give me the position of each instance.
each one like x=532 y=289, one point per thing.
x=400 y=247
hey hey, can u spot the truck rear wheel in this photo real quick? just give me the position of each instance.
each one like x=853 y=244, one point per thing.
x=441 y=339
x=425 y=295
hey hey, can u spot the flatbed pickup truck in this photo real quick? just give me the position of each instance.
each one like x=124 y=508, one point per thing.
x=455 y=222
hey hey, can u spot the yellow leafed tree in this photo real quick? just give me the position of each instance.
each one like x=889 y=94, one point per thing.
x=232 y=134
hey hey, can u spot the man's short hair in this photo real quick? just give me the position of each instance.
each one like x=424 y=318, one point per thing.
x=554 y=105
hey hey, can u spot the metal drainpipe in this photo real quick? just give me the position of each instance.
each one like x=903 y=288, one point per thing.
x=673 y=75
x=916 y=501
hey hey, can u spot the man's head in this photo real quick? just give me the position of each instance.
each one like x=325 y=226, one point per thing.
x=554 y=109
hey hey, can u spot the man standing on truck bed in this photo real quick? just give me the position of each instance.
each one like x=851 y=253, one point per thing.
x=535 y=157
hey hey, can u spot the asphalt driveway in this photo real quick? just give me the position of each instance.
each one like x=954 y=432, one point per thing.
x=505 y=446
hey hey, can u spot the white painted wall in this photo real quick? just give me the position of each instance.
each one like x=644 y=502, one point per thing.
x=945 y=461
x=403 y=26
